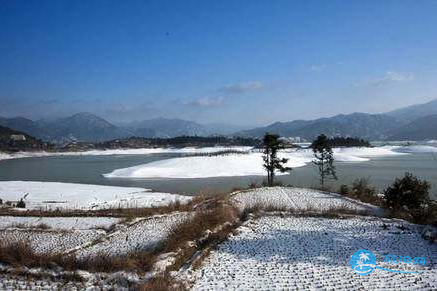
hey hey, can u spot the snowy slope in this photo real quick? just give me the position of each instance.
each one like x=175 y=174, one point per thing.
x=299 y=199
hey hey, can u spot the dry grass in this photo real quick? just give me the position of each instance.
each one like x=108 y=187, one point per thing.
x=211 y=224
x=162 y=282
x=20 y=253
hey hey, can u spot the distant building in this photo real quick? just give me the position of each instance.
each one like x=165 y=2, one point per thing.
x=18 y=137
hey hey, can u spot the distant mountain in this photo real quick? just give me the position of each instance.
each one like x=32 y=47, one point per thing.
x=164 y=128
x=368 y=126
x=223 y=128
x=25 y=125
x=81 y=127
x=422 y=128
x=415 y=111
x=287 y=129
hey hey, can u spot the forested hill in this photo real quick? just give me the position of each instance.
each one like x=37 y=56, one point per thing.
x=12 y=140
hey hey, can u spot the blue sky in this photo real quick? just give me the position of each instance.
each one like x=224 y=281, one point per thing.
x=240 y=62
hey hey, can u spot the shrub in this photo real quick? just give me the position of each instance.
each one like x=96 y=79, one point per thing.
x=362 y=187
x=21 y=204
x=409 y=193
x=344 y=189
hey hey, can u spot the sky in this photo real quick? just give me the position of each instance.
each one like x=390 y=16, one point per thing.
x=237 y=62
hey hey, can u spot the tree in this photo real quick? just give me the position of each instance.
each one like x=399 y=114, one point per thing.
x=272 y=145
x=324 y=159
x=409 y=191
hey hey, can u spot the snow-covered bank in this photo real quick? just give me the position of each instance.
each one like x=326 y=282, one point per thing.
x=52 y=195
x=141 y=151
x=238 y=164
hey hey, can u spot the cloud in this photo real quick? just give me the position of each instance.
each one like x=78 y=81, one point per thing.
x=318 y=67
x=205 y=102
x=241 y=87
x=389 y=77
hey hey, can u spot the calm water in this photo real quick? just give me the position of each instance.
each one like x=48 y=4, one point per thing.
x=88 y=169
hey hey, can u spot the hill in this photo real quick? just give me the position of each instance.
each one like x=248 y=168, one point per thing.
x=12 y=140
x=423 y=128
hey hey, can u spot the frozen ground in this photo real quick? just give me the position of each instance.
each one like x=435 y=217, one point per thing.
x=52 y=195
x=58 y=223
x=141 y=151
x=273 y=253
x=299 y=199
x=240 y=164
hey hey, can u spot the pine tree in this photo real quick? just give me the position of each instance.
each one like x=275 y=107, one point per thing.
x=324 y=159
x=272 y=145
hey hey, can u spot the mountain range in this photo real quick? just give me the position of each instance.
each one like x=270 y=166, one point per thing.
x=408 y=123
x=417 y=122
x=91 y=128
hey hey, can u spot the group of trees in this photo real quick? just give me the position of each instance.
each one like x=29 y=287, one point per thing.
x=323 y=158
x=346 y=142
x=408 y=194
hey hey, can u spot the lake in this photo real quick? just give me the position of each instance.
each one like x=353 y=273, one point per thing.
x=89 y=169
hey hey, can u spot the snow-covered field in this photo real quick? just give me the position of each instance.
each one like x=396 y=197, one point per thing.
x=85 y=235
x=240 y=164
x=142 y=234
x=277 y=253
x=299 y=199
x=141 y=151
x=48 y=241
x=58 y=223
x=52 y=195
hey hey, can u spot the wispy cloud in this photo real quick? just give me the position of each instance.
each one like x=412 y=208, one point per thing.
x=389 y=77
x=241 y=87
x=317 y=67
x=205 y=102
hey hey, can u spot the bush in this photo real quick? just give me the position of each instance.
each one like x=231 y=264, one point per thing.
x=362 y=188
x=21 y=204
x=344 y=190
x=409 y=193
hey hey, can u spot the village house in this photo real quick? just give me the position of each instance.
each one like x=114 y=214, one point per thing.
x=18 y=137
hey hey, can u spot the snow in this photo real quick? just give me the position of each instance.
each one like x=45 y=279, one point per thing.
x=299 y=199
x=417 y=149
x=238 y=164
x=142 y=234
x=49 y=241
x=274 y=253
x=52 y=195
x=58 y=223
x=110 y=152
